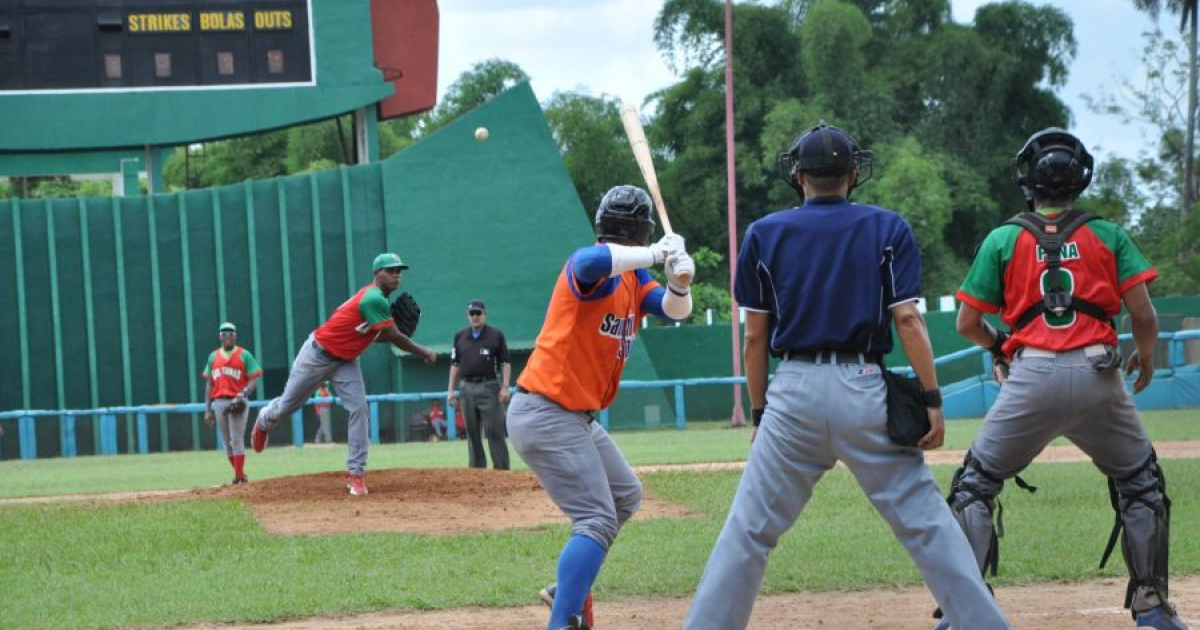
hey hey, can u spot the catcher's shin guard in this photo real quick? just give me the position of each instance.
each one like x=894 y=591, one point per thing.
x=976 y=506
x=1143 y=511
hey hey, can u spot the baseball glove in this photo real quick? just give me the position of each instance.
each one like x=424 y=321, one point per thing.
x=406 y=313
x=238 y=404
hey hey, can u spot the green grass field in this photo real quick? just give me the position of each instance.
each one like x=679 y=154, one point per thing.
x=69 y=565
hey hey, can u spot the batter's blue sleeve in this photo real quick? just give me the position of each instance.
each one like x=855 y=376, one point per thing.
x=902 y=276
x=748 y=283
x=592 y=264
x=652 y=304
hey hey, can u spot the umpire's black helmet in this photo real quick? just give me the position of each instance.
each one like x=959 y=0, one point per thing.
x=626 y=212
x=1053 y=164
x=826 y=151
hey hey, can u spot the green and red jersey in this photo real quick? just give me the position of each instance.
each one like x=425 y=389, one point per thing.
x=230 y=372
x=1100 y=262
x=355 y=324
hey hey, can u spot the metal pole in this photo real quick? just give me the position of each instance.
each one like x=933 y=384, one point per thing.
x=738 y=418
x=1189 y=159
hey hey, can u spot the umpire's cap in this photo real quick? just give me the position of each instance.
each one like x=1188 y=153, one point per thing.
x=825 y=151
x=387 y=261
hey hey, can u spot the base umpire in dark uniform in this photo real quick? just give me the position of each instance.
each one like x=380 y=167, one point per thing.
x=480 y=351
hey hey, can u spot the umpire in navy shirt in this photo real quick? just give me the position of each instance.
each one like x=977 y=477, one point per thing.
x=821 y=284
x=479 y=355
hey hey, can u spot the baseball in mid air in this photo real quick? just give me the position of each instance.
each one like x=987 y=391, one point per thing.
x=481 y=133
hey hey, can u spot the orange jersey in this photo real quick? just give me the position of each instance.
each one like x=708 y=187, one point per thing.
x=586 y=339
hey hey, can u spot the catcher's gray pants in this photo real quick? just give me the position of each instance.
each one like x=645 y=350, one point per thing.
x=1048 y=397
x=818 y=414
x=324 y=431
x=312 y=367
x=484 y=417
x=231 y=425
x=577 y=463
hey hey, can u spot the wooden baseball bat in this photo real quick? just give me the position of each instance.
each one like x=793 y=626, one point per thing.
x=632 y=119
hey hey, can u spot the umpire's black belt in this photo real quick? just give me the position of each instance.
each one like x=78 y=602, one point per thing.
x=832 y=356
x=479 y=379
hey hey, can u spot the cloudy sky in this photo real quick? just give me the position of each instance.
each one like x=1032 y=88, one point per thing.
x=606 y=47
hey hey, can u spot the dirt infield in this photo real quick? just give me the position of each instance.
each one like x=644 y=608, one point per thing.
x=1082 y=606
x=419 y=501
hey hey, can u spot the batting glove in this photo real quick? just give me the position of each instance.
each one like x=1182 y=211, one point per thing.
x=666 y=246
x=680 y=270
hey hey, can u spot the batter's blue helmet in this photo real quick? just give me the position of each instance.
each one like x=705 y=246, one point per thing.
x=626 y=212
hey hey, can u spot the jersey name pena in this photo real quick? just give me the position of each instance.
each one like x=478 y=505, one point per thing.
x=355 y=324
x=581 y=351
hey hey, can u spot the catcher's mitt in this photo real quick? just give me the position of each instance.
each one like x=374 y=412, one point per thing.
x=238 y=404
x=406 y=313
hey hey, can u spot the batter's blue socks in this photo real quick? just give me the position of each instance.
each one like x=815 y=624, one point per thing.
x=578 y=566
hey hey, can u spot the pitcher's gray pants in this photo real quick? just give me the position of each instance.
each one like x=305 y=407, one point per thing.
x=231 y=425
x=578 y=464
x=818 y=414
x=484 y=417
x=310 y=369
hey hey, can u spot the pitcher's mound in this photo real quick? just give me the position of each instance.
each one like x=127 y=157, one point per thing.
x=420 y=501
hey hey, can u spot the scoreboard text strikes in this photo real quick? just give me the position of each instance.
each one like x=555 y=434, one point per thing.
x=273 y=20
x=171 y=44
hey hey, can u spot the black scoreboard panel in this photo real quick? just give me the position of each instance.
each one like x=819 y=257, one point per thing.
x=97 y=44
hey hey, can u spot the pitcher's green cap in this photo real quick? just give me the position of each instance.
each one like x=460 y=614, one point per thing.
x=387 y=261
x=227 y=327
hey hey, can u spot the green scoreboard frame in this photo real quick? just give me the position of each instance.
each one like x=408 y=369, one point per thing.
x=116 y=45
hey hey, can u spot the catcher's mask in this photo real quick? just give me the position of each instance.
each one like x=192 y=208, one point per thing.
x=626 y=212
x=1053 y=164
x=825 y=151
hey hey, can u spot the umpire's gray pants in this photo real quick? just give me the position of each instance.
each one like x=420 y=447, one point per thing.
x=484 y=417
x=309 y=370
x=232 y=426
x=818 y=414
x=577 y=463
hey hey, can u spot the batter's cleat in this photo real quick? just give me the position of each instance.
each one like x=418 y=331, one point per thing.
x=943 y=625
x=576 y=624
x=1162 y=618
x=258 y=438
x=588 y=616
x=355 y=485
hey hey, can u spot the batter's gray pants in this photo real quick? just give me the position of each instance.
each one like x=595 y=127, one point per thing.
x=1045 y=398
x=818 y=414
x=231 y=425
x=577 y=463
x=484 y=417
x=310 y=369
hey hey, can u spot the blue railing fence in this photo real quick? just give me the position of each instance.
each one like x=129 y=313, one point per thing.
x=107 y=416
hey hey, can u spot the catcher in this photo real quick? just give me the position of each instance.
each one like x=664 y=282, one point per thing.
x=230 y=377
x=331 y=353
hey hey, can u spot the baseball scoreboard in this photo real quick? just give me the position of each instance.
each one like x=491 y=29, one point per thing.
x=48 y=45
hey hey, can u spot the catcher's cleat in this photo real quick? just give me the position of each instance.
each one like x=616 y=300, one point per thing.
x=588 y=616
x=258 y=439
x=355 y=485
x=1162 y=618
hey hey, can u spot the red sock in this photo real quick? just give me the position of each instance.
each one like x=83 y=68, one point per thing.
x=238 y=463
x=232 y=463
